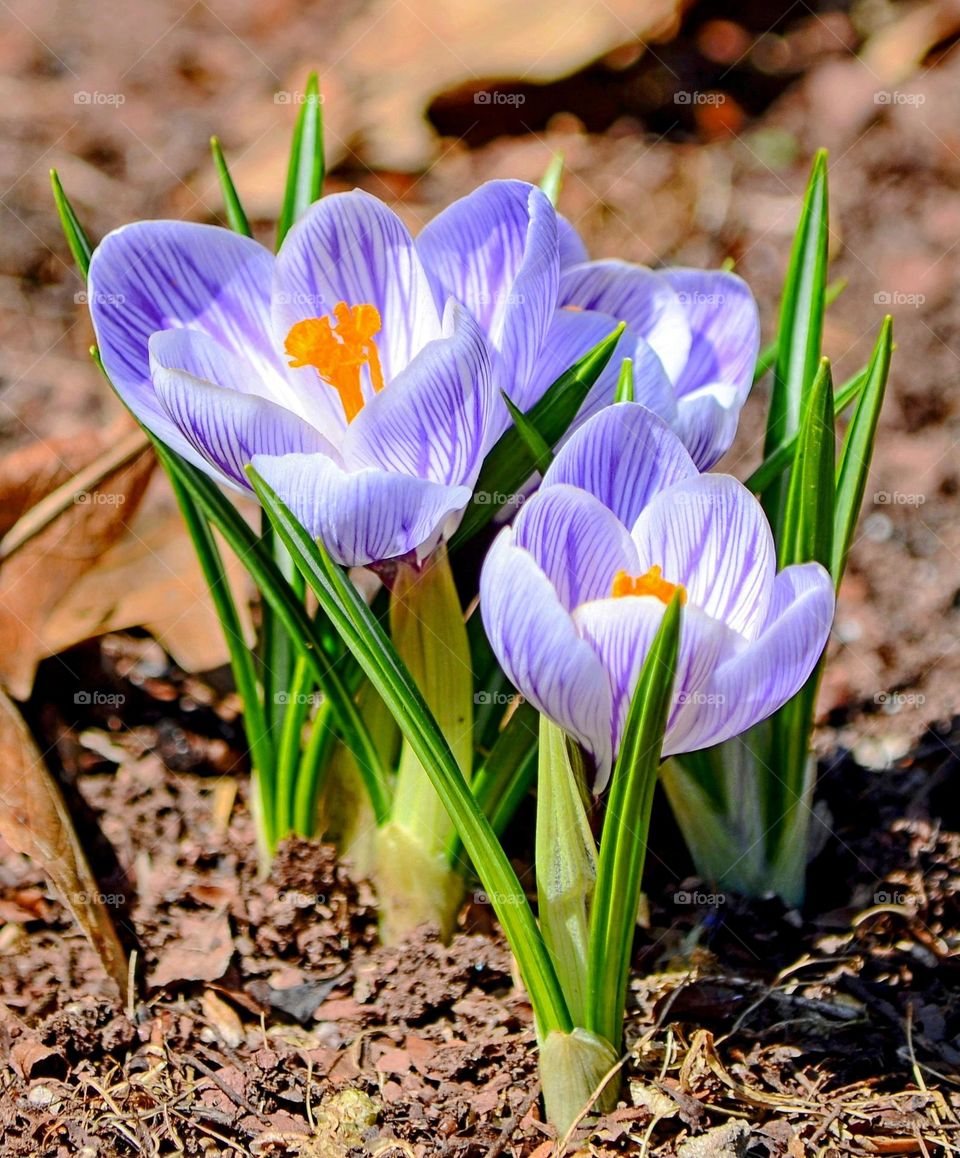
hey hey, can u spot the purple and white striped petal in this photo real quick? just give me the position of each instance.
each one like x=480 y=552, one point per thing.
x=431 y=421
x=349 y=247
x=537 y=644
x=710 y=534
x=707 y=421
x=574 y=333
x=228 y=428
x=159 y=275
x=761 y=675
x=645 y=300
x=363 y=516
x=576 y=541
x=621 y=632
x=725 y=324
x=497 y=252
x=624 y=456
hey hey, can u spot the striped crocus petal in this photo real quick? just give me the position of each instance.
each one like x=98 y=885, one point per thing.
x=760 y=675
x=725 y=326
x=497 y=252
x=363 y=516
x=710 y=534
x=565 y=576
x=537 y=644
x=432 y=419
x=573 y=334
x=642 y=298
x=350 y=247
x=623 y=456
x=161 y=275
x=621 y=632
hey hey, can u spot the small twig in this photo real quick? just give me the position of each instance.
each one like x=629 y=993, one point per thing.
x=234 y=1095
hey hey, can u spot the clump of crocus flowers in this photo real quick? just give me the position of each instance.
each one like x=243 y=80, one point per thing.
x=384 y=396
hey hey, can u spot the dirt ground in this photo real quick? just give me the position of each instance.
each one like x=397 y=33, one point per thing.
x=753 y=1029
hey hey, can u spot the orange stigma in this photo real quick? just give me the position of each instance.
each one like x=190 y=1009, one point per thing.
x=652 y=583
x=339 y=352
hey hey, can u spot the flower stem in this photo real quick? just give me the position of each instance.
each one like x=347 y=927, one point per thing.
x=577 y=1069
x=415 y=879
x=566 y=863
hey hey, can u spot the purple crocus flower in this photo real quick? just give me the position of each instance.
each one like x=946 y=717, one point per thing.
x=345 y=368
x=694 y=336
x=573 y=593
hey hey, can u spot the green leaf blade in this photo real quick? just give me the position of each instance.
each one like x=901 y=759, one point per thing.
x=511 y=463
x=375 y=653
x=77 y=239
x=800 y=332
x=307 y=167
x=236 y=216
x=857 y=451
x=624 y=838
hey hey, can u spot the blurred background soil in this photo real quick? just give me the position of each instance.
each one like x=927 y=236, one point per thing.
x=687 y=132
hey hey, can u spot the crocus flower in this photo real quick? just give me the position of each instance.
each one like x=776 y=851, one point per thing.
x=345 y=369
x=573 y=593
x=694 y=336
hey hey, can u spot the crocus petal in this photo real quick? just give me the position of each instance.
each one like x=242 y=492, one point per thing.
x=707 y=421
x=710 y=534
x=572 y=249
x=645 y=300
x=621 y=632
x=227 y=428
x=496 y=251
x=159 y=275
x=760 y=676
x=725 y=323
x=623 y=456
x=363 y=516
x=535 y=640
x=574 y=333
x=577 y=542
x=349 y=247
x=432 y=419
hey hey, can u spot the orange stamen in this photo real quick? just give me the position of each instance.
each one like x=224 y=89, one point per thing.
x=652 y=583
x=339 y=352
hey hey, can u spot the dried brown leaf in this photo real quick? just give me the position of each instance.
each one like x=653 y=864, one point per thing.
x=58 y=539
x=34 y=821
